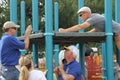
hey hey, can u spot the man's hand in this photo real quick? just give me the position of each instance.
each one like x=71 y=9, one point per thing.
x=61 y=30
x=27 y=33
x=60 y=67
x=28 y=30
x=56 y=70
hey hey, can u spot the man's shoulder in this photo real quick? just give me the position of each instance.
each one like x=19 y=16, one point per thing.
x=7 y=36
x=96 y=15
x=95 y=18
x=75 y=63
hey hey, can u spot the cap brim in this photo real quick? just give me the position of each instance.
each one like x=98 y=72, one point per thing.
x=66 y=48
x=81 y=11
x=17 y=26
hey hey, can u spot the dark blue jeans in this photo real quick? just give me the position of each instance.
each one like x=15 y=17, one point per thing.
x=10 y=72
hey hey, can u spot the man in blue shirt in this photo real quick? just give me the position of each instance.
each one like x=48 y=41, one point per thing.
x=9 y=49
x=71 y=70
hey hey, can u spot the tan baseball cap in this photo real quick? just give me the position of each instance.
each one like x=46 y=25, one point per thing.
x=10 y=24
x=84 y=9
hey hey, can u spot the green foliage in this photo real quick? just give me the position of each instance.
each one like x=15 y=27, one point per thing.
x=28 y=10
x=67 y=12
x=41 y=54
x=97 y=6
x=4 y=13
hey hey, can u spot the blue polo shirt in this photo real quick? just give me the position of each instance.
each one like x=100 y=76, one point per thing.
x=9 y=50
x=74 y=69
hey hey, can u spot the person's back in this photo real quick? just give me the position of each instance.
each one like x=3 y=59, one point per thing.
x=116 y=28
x=9 y=47
x=97 y=21
x=27 y=71
x=36 y=75
x=2 y=78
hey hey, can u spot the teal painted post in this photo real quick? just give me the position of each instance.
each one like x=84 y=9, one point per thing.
x=80 y=4
x=22 y=6
x=35 y=15
x=22 y=18
x=23 y=52
x=81 y=49
x=117 y=12
x=82 y=58
x=56 y=51
x=56 y=46
x=48 y=38
x=109 y=39
x=35 y=55
x=13 y=10
x=117 y=19
x=104 y=56
x=35 y=29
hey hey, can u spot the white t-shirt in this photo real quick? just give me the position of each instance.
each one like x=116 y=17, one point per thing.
x=36 y=75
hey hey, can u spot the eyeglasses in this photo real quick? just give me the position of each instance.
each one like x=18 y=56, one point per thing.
x=14 y=28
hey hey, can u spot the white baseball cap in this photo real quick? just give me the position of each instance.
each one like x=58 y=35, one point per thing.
x=10 y=24
x=73 y=49
x=84 y=9
x=61 y=56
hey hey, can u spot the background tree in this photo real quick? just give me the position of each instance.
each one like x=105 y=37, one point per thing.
x=4 y=13
x=28 y=9
x=67 y=12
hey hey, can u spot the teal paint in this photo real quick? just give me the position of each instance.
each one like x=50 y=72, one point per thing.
x=35 y=29
x=22 y=18
x=49 y=38
x=104 y=56
x=35 y=55
x=13 y=11
x=109 y=39
x=81 y=46
x=56 y=46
